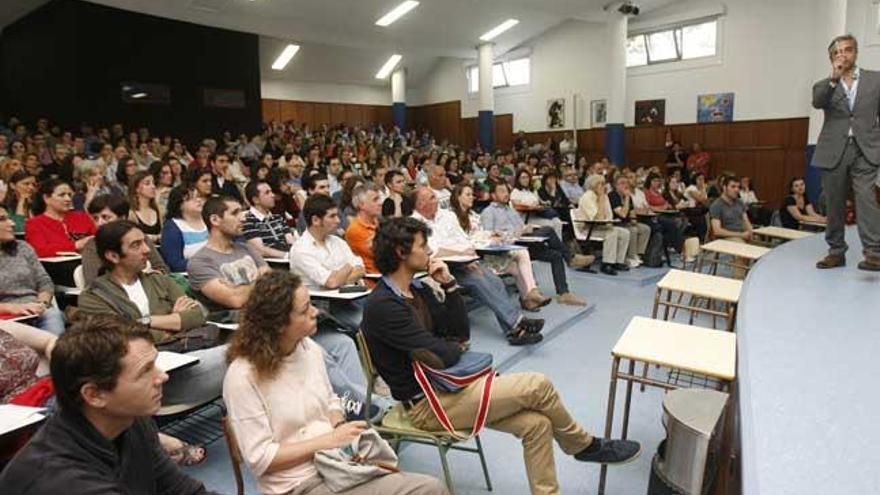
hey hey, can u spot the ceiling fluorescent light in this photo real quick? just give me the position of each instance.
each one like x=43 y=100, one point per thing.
x=139 y=95
x=397 y=12
x=389 y=66
x=283 y=59
x=504 y=26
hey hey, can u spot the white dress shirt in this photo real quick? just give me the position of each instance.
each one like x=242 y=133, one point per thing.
x=315 y=262
x=445 y=231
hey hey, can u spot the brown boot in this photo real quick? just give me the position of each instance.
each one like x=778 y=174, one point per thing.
x=831 y=261
x=871 y=263
x=572 y=299
x=581 y=260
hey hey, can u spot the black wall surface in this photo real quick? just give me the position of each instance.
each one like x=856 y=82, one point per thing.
x=68 y=59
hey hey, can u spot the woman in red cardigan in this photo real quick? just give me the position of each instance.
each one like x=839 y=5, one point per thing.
x=57 y=227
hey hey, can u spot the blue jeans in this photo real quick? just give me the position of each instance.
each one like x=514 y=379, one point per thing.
x=52 y=321
x=199 y=383
x=344 y=367
x=490 y=290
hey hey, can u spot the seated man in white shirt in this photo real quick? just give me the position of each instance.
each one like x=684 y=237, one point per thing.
x=325 y=261
x=440 y=185
x=448 y=238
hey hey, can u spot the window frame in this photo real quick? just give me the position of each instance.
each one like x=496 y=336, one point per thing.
x=474 y=69
x=677 y=31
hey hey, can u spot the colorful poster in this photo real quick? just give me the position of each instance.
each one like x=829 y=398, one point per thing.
x=650 y=112
x=716 y=107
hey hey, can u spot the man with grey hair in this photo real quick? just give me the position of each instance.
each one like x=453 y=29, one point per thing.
x=849 y=148
x=367 y=200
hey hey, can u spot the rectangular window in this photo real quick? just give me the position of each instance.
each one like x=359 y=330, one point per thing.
x=504 y=74
x=683 y=42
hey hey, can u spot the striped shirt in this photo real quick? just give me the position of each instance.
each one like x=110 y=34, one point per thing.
x=271 y=228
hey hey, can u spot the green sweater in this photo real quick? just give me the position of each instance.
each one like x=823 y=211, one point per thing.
x=162 y=291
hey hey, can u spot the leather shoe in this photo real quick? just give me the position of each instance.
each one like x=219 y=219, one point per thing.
x=871 y=263
x=621 y=267
x=831 y=261
x=608 y=269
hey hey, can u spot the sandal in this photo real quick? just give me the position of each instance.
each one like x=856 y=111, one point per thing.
x=188 y=455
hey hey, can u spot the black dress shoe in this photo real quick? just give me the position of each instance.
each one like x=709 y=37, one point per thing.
x=530 y=325
x=523 y=338
x=604 y=451
x=621 y=267
x=608 y=269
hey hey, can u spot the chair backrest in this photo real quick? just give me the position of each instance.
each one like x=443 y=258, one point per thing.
x=370 y=372
x=234 y=454
x=578 y=225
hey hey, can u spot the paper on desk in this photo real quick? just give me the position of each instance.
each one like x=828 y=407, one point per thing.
x=13 y=417
x=169 y=361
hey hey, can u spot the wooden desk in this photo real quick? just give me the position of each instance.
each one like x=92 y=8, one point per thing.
x=749 y=253
x=770 y=234
x=711 y=353
x=15 y=418
x=458 y=259
x=812 y=226
x=335 y=295
x=278 y=262
x=714 y=289
x=61 y=268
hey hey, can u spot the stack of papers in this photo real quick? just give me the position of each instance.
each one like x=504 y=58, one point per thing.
x=14 y=417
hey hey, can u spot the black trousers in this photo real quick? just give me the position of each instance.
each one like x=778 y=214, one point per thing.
x=556 y=253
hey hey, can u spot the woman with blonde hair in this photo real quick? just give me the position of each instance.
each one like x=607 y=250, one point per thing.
x=280 y=403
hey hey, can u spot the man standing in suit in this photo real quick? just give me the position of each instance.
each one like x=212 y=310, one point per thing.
x=849 y=148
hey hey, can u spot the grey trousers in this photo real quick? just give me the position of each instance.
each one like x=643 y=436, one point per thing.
x=835 y=184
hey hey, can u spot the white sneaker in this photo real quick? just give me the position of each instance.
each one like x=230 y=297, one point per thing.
x=634 y=262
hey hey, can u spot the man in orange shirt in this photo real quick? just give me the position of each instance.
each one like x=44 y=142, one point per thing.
x=359 y=235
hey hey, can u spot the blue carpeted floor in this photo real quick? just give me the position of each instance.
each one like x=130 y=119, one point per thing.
x=576 y=356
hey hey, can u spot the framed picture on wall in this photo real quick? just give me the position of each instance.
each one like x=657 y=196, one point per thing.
x=716 y=107
x=650 y=112
x=556 y=113
x=598 y=113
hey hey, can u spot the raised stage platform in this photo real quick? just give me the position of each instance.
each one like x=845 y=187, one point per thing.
x=809 y=402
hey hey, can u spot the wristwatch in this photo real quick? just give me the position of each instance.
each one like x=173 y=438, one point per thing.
x=146 y=320
x=449 y=285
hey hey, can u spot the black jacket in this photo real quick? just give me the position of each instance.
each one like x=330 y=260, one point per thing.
x=68 y=455
x=393 y=331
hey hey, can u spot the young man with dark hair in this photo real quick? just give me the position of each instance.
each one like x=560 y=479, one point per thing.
x=222 y=183
x=156 y=301
x=101 y=439
x=316 y=184
x=265 y=231
x=730 y=219
x=104 y=209
x=403 y=318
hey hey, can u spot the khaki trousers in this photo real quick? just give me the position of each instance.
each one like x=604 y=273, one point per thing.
x=524 y=404
x=390 y=484
x=639 y=235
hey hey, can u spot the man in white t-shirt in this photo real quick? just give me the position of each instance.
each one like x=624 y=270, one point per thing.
x=440 y=185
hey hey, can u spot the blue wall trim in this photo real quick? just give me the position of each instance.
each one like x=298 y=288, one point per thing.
x=615 y=143
x=398 y=113
x=487 y=130
x=812 y=176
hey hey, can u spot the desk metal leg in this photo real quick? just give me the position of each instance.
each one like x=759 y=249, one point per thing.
x=609 y=418
x=628 y=401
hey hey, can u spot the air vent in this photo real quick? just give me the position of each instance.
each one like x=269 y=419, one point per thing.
x=212 y=6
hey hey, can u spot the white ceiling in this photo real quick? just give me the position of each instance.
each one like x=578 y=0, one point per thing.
x=341 y=43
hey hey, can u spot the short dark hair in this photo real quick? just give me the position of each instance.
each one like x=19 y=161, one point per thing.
x=91 y=350
x=727 y=179
x=109 y=238
x=47 y=188
x=216 y=205
x=194 y=174
x=391 y=174
x=309 y=181
x=251 y=189
x=116 y=203
x=317 y=205
x=838 y=39
x=493 y=185
x=394 y=241
x=175 y=201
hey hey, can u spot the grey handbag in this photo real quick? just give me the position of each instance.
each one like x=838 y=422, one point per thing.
x=368 y=456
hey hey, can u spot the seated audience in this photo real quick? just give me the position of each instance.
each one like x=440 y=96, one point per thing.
x=403 y=317
x=347 y=211
x=164 y=179
x=500 y=217
x=360 y=233
x=104 y=209
x=25 y=287
x=595 y=206
x=266 y=232
x=439 y=183
x=448 y=238
x=155 y=300
x=101 y=439
x=730 y=220
x=184 y=232
x=796 y=207
x=758 y=213
x=20 y=197
x=125 y=171
x=698 y=161
x=552 y=195
x=570 y=185
x=624 y=211
x=516 y=262
x=398 y=203
x=200 y=180
x=144 y=209
x=57 y=227
x=281 y=405
x=222 y=183
x=529 y=204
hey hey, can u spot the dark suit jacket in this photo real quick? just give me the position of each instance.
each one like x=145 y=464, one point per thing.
x=838 y=119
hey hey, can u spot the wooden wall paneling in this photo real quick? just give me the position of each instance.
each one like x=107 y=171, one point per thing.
x=798 y=130
x=337 y=113
x=770 y=173
x=306 y=112
x=383 y=115
x=503 y=132
x=740 y=162
x=287 y=111
x=643 y=138
x=322 y=114
x=715 y=136
x=742 y=135
x=772 y=133
x=688 y=134
x=271 y=110
x=718 y=162
x=470 y=132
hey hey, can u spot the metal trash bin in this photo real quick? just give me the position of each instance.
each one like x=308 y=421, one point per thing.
x=686 y=462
